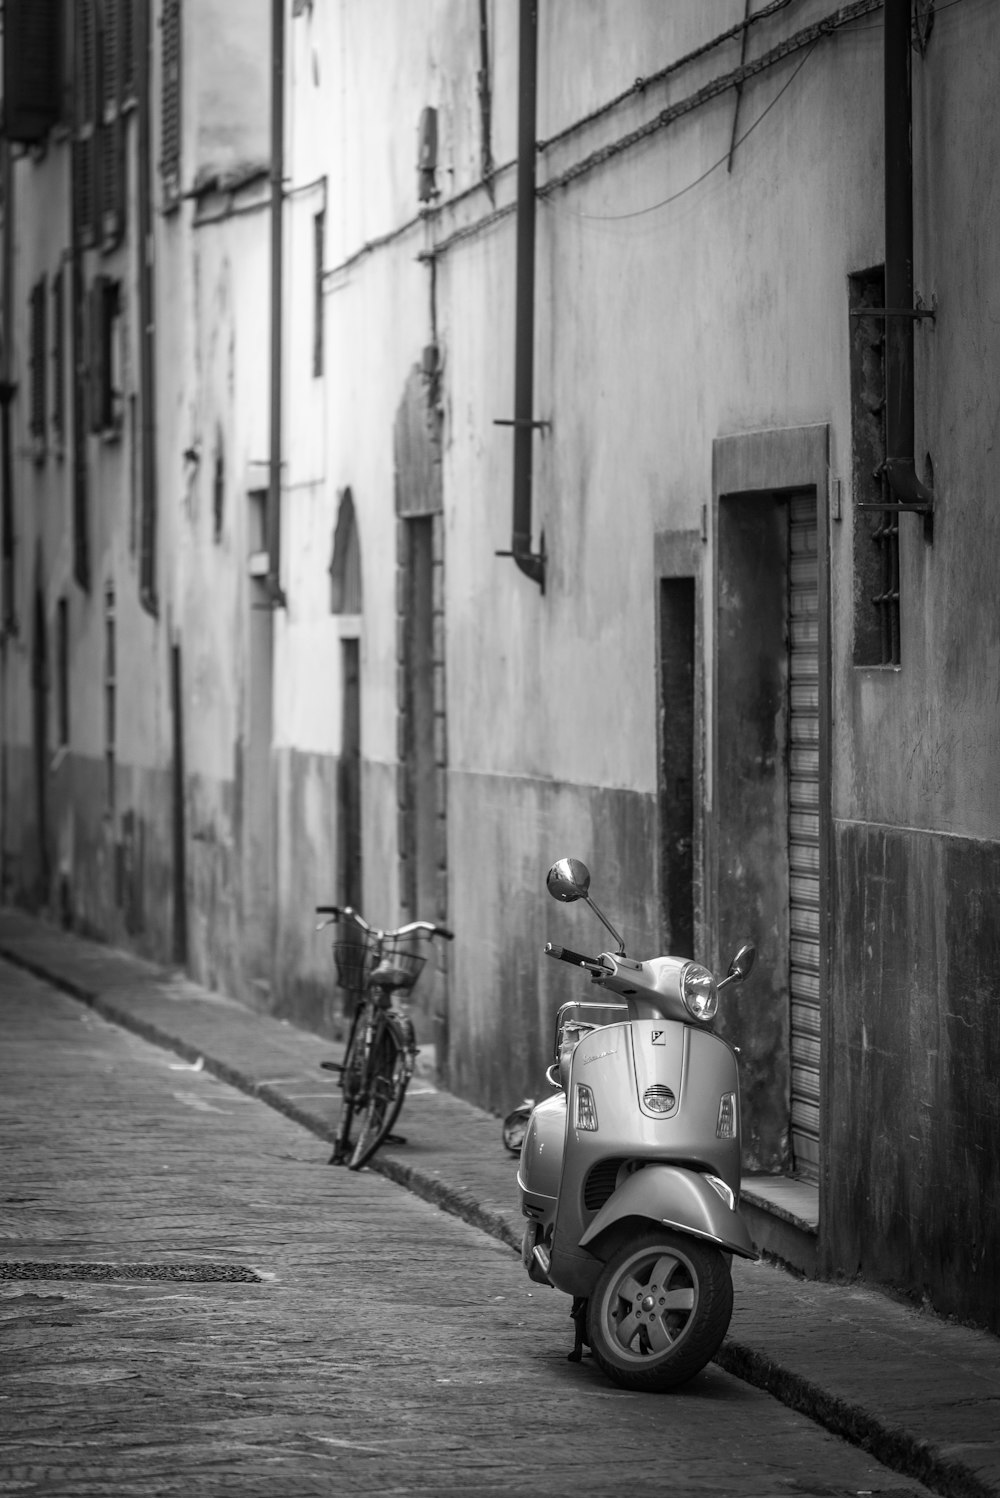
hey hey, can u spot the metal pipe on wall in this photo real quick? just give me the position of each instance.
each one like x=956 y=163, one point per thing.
x=900 y=467
x=532 y=564
x=273 y=580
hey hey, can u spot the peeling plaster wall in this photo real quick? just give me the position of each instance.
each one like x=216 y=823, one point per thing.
x=677 y=302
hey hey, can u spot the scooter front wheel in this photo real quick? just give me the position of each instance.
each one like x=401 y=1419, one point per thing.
x=659 y=1310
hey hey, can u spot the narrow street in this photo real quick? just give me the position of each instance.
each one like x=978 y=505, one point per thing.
x=342 y=1335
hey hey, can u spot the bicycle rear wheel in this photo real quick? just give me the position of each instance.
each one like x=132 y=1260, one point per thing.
x=351 y=1096
x=389 y=1069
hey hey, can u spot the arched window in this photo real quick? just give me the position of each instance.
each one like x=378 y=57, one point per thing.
x=345 y=565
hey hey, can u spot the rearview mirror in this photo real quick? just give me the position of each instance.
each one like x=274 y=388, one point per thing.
x=742 y=964
x=568 y=880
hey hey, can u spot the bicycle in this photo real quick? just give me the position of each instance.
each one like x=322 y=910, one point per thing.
x=381 y=1050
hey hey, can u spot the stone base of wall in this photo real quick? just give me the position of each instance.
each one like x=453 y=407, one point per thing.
x=912 y=1101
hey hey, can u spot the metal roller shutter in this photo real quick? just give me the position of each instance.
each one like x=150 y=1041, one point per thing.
x=803 y=833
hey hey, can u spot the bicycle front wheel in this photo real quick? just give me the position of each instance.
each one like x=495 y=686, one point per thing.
x=389 y=1070
x=351 y=1095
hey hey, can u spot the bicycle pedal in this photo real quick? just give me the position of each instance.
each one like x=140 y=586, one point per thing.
x=332 y=1065
x=395 y=1139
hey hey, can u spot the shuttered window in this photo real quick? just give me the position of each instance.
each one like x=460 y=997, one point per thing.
x=62 y=671
x=85 y=160
x=170 y=96
x=111 y=138
x=32 y=65
x=126 y=50
x=58 y=359
x=319 y=254
x=104 y=320
x=37 y=417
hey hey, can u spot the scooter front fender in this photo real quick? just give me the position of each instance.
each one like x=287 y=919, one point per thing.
x=677 y=1198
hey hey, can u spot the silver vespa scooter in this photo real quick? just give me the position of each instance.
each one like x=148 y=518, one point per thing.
x=629 y=1175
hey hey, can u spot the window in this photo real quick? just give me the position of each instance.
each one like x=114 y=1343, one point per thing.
x=62 y=671
x=110 y=696
x=170 y=101
x=81 y=487
x=219 y=488
x=319 y=244
x=32 y=57
x=37 y=417
x=876 y=532
x=345 y=566
x=106 y=398
x=111 y=131
x=85 y=134
x=58 y=360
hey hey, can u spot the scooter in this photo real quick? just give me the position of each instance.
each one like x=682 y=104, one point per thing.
x=629 y=1174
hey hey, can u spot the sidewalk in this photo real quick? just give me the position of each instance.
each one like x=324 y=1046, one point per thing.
x=921 y=1394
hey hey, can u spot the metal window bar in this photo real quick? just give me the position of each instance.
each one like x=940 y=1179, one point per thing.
x=886 y=601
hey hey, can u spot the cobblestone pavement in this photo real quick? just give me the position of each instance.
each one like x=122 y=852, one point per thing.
x=303 y=1329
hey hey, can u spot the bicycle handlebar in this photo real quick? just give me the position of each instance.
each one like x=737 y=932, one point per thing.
x=414 y=928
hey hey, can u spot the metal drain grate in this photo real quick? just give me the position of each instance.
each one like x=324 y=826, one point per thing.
x=31 y=1269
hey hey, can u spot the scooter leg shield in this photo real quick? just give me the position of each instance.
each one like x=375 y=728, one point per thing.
x=677 y=1198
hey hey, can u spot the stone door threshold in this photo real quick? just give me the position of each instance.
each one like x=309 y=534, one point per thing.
x=782 y=1215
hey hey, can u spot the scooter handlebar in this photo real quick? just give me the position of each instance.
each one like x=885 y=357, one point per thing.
x=566 y=954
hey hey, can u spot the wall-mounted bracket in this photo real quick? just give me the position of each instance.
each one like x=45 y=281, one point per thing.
x=917 y=509
x=521 y=421
x=917 y=312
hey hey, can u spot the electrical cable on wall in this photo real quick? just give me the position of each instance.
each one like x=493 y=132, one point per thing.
x=663 y=202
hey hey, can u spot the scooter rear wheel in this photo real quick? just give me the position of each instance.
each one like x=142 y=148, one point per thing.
x=659 y=1310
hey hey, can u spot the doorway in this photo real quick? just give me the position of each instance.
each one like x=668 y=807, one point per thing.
x=423 y=762
x=257 y=805
x=349 y=779
x=768 y=797
x=803 y=779
x=677 y=764
x=770 y=772
x=421 y=799
x=40 y=720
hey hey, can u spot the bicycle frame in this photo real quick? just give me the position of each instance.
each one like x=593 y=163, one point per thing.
x=381 y=1049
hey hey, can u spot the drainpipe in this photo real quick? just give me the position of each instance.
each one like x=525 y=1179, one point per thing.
x=900 y=471
x=8 y=624
x=532 y=564
x=273 y=579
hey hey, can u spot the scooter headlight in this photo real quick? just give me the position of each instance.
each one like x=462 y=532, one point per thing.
x=698 y=990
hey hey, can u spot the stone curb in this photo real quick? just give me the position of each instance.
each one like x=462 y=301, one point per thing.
x=892 y=1446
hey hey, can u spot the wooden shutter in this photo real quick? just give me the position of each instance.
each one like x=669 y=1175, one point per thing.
x=170 y=108
x=37 y=406
x=32 y=57
x=85 y=142
x=58 y=357
x=100 y=354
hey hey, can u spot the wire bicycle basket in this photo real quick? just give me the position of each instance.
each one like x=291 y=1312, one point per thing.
x=354 y=961
x=360 y=958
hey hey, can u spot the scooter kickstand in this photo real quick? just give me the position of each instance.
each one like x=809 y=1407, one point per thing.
x=579 y=1315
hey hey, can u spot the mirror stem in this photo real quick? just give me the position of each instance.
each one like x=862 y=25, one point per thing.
x=604 y=921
